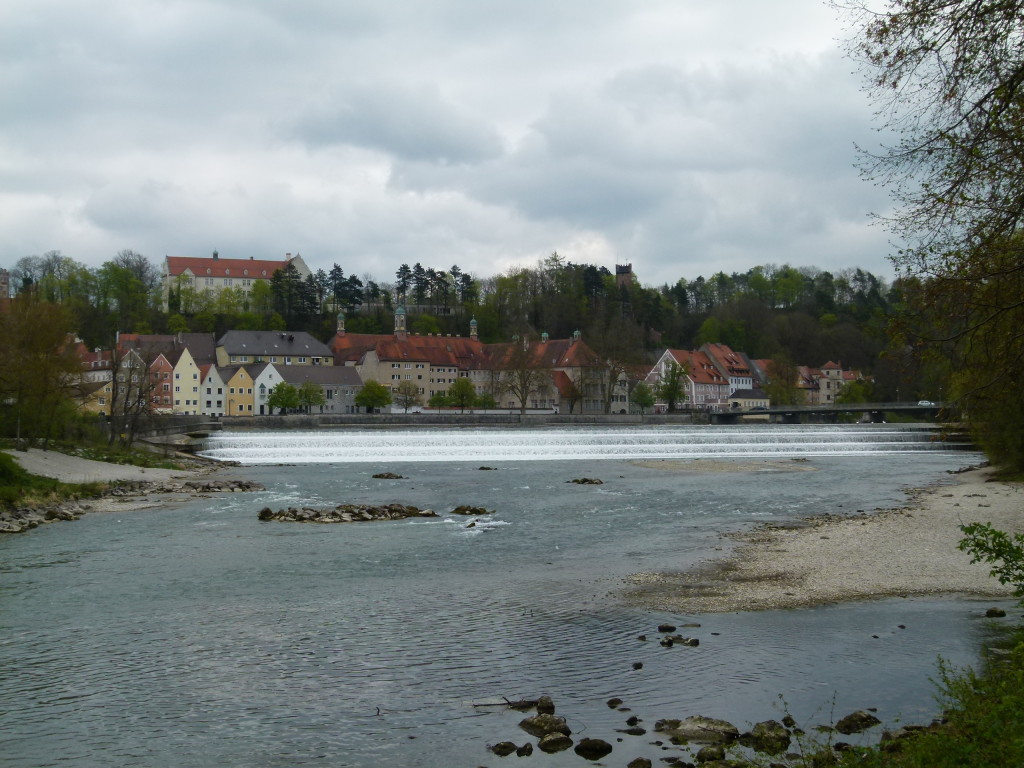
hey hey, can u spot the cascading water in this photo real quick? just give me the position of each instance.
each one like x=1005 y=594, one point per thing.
x=482 y=444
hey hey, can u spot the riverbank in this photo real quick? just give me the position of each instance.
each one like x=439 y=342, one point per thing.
x=910 y=550
x=129 y=488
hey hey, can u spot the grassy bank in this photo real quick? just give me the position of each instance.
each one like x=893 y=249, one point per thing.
x=20 y=489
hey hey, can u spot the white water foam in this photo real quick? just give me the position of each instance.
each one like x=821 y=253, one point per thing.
x=472 y=445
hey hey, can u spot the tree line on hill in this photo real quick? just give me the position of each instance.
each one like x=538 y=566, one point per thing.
x=804 y=315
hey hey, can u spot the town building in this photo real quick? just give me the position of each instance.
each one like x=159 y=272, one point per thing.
x=276 y=347
x=184 y=274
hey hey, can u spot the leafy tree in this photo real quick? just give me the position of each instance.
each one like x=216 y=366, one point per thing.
x=672 y=388
x=643 y=396
x=373 y=395
x=461 y=394
x=439 y=400
x=406 y=394
x=177 y=324
x=424 y=324
x=486 y=400
x=1005 y=552
x=310 y=394
x=39 y=368
x=783 y=382
x=950 y=78
x=856 y=392
x=284 y=397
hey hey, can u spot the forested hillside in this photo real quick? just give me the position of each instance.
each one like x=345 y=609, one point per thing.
x=804 y=315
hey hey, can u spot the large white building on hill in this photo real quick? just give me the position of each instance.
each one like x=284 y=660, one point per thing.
x=212 y=274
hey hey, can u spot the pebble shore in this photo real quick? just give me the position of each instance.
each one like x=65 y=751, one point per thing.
x=907 y=551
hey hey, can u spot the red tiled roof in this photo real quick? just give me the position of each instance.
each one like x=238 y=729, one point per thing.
x=211 y=267
x=698 y=366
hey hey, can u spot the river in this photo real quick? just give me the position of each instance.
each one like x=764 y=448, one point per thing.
x=196 y=635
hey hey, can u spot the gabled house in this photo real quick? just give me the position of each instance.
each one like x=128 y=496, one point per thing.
x=706 y=388
x=239 y=394
x=730 y=365
x=185 y=380
x=266 y=376
x=212 y=391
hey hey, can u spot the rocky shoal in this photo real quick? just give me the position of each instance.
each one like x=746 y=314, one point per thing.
x=345 y=513
x=21 y=519
x=697 y=740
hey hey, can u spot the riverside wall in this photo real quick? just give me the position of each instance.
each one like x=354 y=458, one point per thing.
x=386 y=420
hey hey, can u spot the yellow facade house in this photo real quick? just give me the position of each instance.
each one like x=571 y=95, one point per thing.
x=238 y=399
x=186 y=380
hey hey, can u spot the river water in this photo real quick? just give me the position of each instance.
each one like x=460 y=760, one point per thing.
x=198 y=636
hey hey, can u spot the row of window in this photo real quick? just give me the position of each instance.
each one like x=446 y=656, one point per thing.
x=287 y=359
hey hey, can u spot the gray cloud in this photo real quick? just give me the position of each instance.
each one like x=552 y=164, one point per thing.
x=681 y=136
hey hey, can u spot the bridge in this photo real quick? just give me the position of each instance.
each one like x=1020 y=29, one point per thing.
x=795 y=414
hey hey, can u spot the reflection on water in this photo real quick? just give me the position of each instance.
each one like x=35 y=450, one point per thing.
x=199 y=636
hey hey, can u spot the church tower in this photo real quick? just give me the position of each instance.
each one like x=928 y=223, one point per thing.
x=400 y=332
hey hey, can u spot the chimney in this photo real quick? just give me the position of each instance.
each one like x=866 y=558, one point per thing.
x=215 y=254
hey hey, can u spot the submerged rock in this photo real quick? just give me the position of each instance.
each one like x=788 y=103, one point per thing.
x=503 y=748
x=586 y=481
x=554 y=742
x=706 y=730
x=465 y=509
x=542 y=725
x=593 y=749
x=769 y=737
x=856 y=722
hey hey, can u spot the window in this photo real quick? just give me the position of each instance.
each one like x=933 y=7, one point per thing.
x=220 y=390
x=232 y=391
x=177 y=389
x=249 y=391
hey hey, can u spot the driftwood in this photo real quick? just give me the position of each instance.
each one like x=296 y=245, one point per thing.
x=521 y=704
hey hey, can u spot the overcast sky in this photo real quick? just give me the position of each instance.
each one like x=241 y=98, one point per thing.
x=683 y=136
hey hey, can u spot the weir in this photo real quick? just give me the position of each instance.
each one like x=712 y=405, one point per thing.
x=596 y=443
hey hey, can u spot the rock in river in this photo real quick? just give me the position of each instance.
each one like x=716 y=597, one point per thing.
x=345 y=513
